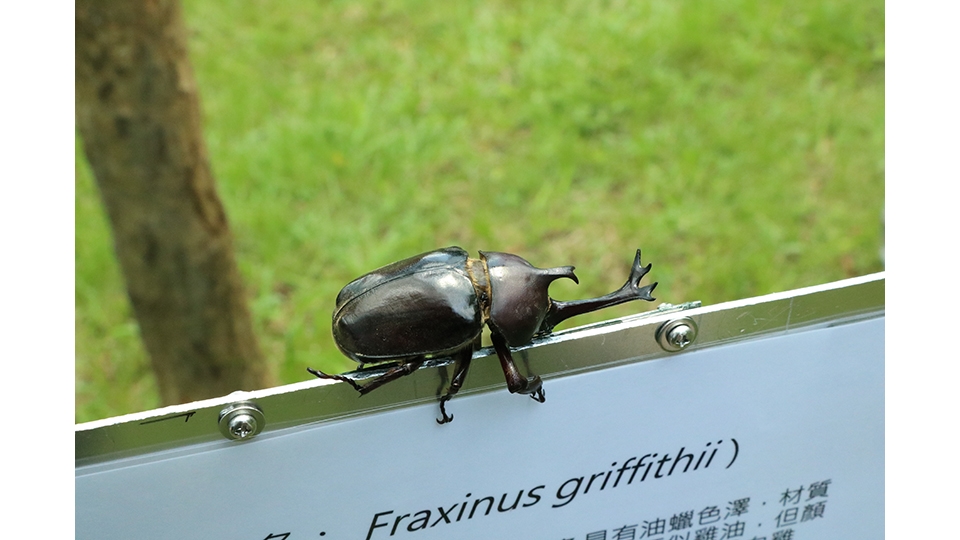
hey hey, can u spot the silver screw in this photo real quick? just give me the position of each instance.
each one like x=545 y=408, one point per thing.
x=677 y=334
x=242 y=426
x=679 y=337
x=241 y=421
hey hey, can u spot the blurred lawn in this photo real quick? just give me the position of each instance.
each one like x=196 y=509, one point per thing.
x=739 y=143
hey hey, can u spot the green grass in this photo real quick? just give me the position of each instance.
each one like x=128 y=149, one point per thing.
x=739 y=143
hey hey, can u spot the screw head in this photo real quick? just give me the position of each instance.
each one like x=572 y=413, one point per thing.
x=242 y=426
x=677 y=334
x=241 y=421
x=679 y=337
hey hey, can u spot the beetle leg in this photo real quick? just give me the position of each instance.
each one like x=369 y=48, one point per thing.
x=631 y=290
x=393 y=373
x=443 y=411
x=516 y=383
x=459 y=375
x=348 y=380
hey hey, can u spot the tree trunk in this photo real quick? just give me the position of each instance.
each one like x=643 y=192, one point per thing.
x=138 y=113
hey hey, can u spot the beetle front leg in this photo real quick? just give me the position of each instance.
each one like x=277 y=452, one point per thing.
x=631 y=290
x=459 y=375
x=516 y=383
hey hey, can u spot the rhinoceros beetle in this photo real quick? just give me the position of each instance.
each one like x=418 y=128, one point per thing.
x=436 y=304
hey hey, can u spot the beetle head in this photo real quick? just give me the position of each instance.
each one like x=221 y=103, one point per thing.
x=518 y=294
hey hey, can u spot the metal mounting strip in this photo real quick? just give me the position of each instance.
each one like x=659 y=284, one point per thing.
x=668 y=330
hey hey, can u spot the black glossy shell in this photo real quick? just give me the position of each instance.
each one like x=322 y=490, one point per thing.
x=519 y=295
x=424 y=305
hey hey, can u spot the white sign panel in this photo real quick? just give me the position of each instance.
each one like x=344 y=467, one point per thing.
x=778 y=437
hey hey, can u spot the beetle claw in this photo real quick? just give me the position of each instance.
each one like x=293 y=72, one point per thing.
x=443 y=410
x=539 y=396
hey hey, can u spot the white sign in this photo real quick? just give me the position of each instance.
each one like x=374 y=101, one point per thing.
x=779 y=437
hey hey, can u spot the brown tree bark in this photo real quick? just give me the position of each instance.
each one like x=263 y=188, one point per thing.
x=138 y=113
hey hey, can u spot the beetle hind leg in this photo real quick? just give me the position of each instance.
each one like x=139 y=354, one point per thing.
x=404 y=368
x=321 y=375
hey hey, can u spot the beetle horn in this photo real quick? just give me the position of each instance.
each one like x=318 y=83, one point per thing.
x=561 y=272
x=631 y=290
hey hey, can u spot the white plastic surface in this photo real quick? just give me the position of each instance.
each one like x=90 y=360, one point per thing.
x=792 y=422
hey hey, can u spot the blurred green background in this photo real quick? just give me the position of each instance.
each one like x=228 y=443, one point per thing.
x=740 y=144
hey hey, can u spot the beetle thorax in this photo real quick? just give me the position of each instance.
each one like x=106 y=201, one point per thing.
x=479 y=276
x=518 y=295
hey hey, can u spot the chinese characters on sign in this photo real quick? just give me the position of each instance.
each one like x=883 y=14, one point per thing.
x=737 y=518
